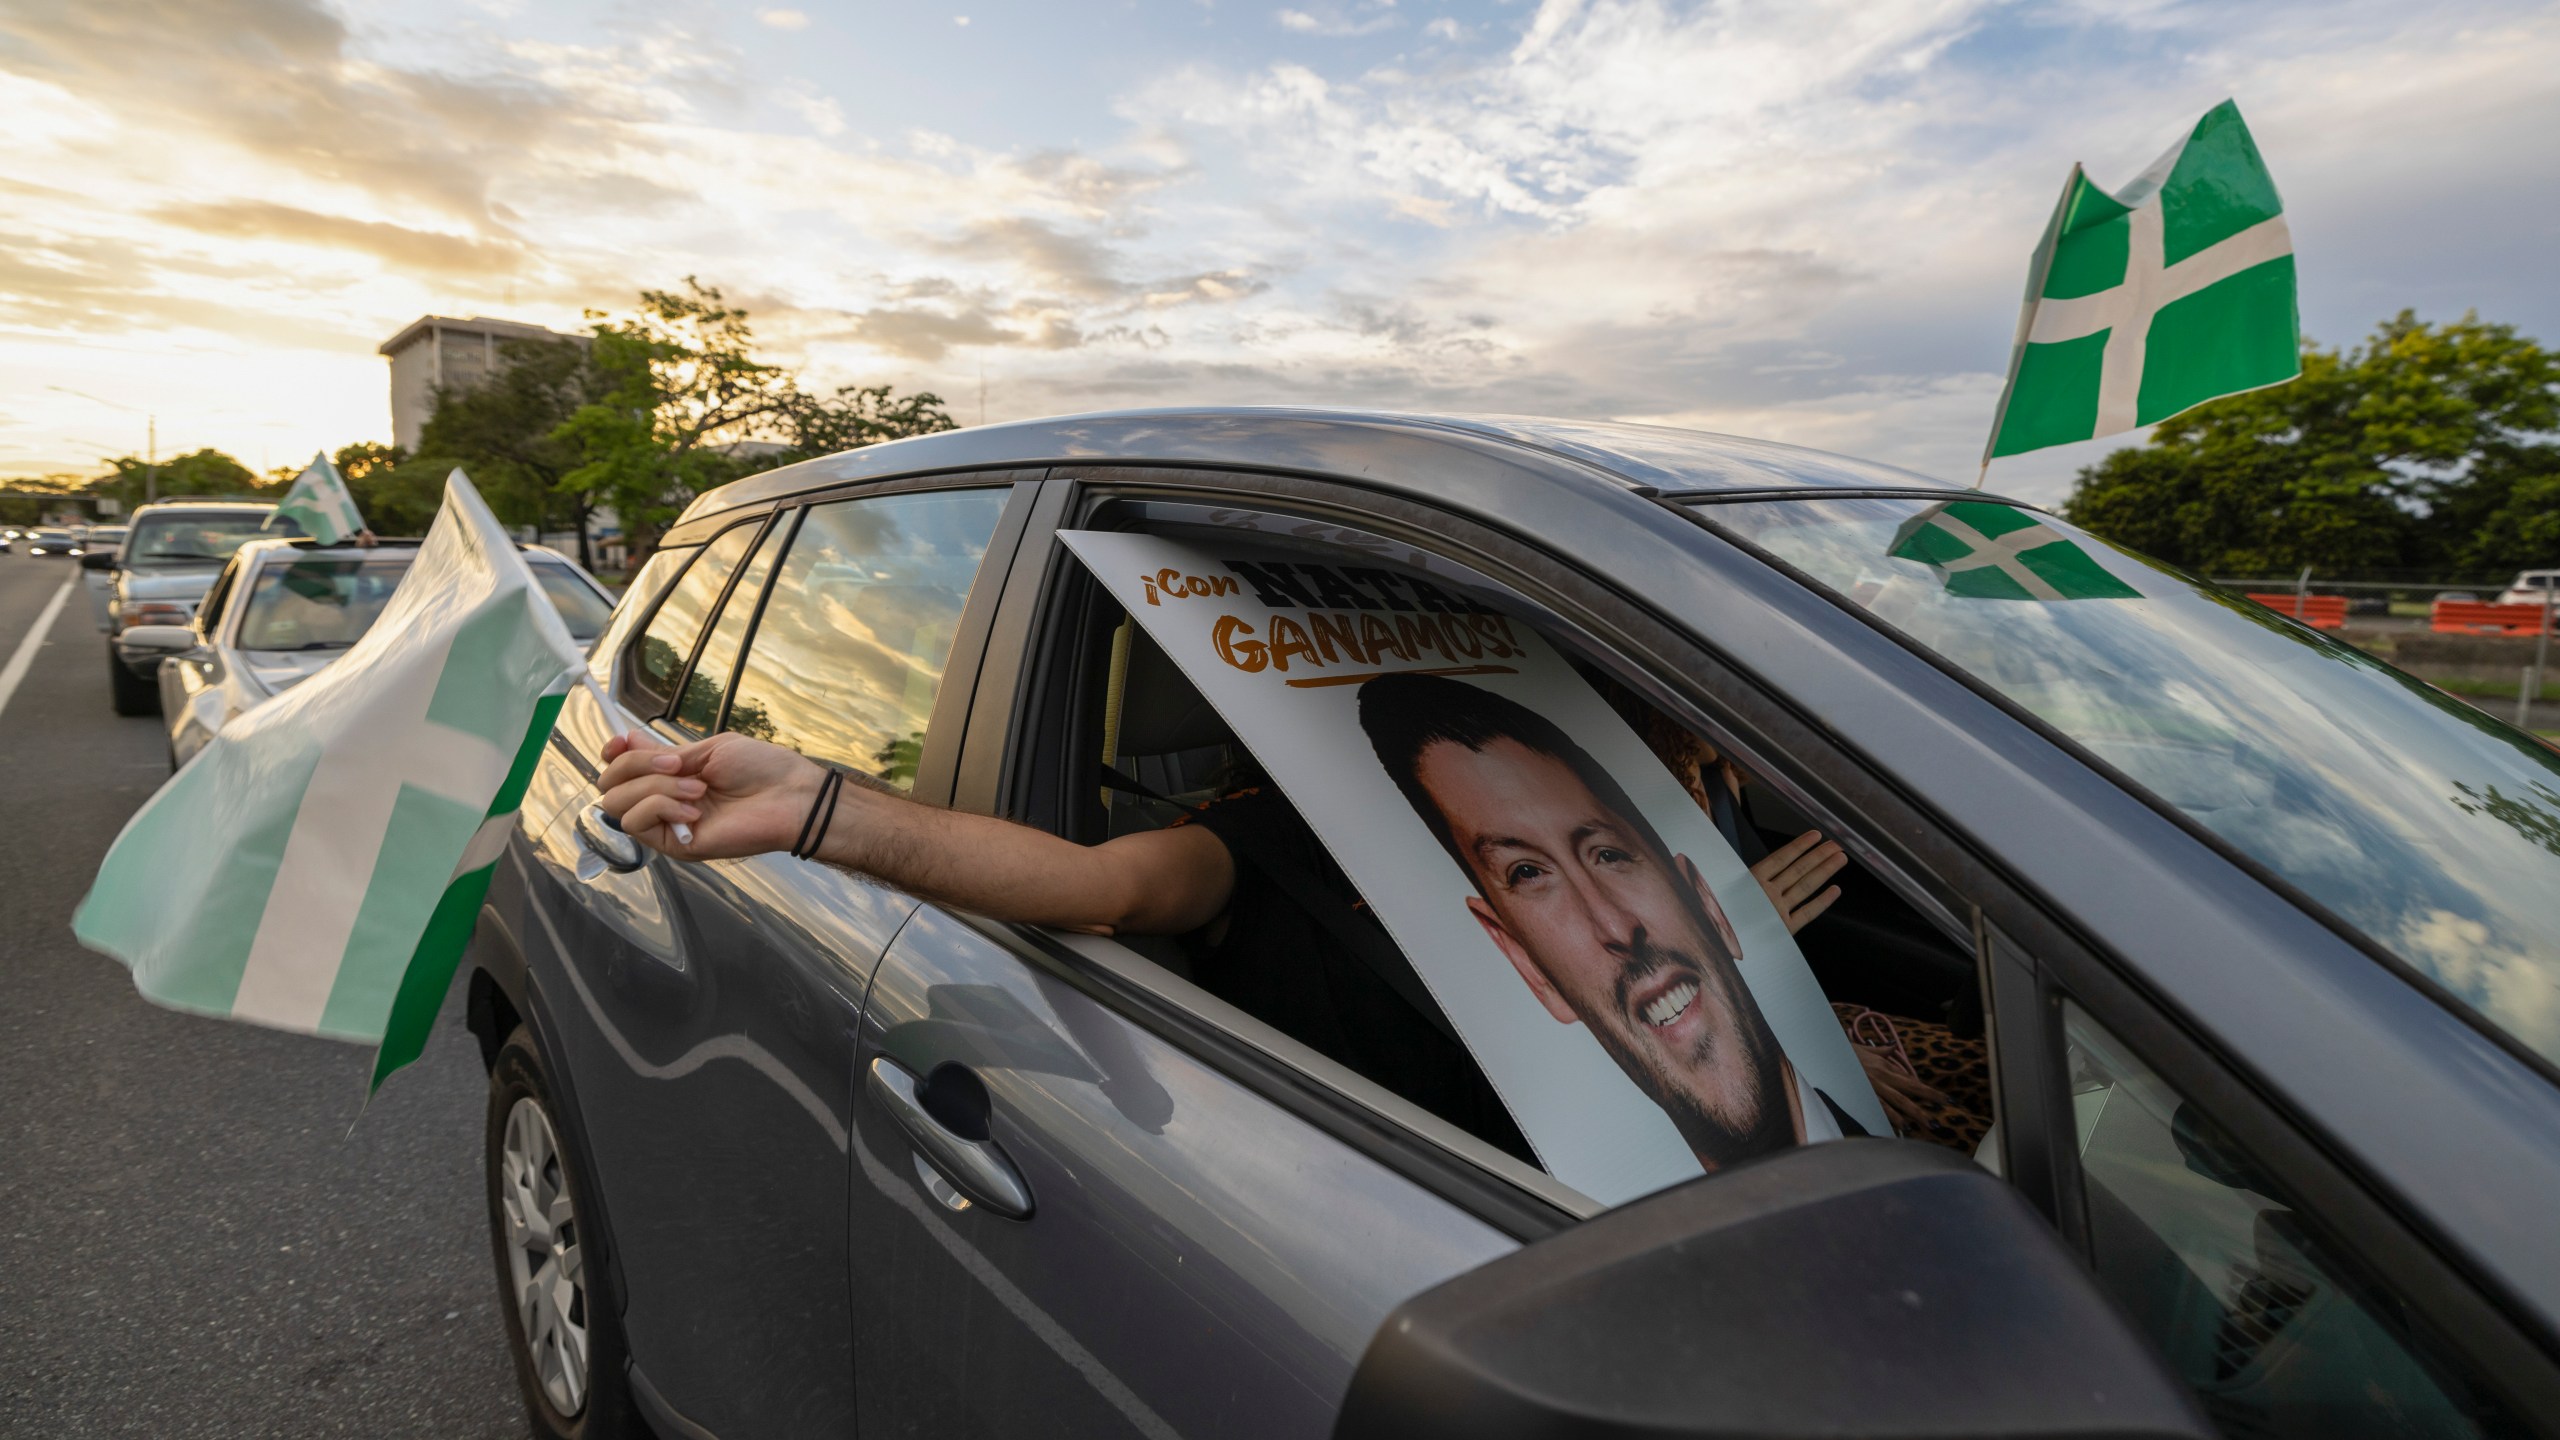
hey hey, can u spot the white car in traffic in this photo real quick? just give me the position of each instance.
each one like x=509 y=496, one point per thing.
x=281 y=610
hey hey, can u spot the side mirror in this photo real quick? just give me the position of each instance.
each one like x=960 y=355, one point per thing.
x=157 y=640
x=1873 y=1288
x=97 y=560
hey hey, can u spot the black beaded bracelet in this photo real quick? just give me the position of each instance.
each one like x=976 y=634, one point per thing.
x=822 y=813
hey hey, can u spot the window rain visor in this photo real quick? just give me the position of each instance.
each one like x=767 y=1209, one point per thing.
x=2415 y=818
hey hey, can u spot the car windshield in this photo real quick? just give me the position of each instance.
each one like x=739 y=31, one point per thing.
x=579 y=605
x=199 y=539
x=2414 y=817
x=319 y=604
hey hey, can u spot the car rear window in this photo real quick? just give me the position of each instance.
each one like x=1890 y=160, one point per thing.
x=318 y=604
x=2419 y=820
x=581 y=608
x=200 y=538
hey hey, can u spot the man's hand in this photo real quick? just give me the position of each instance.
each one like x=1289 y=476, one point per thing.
x=741 y=796
x=1795 y=874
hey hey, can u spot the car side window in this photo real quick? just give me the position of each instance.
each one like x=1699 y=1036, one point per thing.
x=2277 y=1328
x=209 y=614
x=849 y=654
x=665 y=647
x=707 y=684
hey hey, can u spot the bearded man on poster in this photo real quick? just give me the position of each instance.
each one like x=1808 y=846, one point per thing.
x=1606 y=926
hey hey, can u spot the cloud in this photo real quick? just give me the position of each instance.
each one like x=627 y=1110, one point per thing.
x=1332 y=24
x=1808 y=220
x=277 y=80
x=424 y=250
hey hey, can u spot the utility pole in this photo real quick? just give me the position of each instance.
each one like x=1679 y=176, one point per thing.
x=982 y=392
x=151 y=465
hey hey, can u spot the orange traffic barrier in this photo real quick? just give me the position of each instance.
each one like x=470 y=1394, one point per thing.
x=2320 y=612
x=2479 y=617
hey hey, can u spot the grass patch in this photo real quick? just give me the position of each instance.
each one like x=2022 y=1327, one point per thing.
x=2495 y=689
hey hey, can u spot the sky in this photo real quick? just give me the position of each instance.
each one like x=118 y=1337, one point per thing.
x=1804 y=221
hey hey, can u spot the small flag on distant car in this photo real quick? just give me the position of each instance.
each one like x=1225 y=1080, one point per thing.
x=319 y=866
x=2167 y=293
x=1988 y=551
x=320 y=504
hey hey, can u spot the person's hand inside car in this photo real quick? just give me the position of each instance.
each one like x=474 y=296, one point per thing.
x=741 y=796
x=1797 y=876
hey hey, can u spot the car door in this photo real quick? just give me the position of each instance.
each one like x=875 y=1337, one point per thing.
x=712 y=1004
x=1092 y=1198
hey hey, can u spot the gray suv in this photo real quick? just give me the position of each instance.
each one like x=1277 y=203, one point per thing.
x=2255 y=930
x=171 y=553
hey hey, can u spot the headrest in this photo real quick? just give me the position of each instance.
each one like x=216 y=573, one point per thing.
x=1160 y=711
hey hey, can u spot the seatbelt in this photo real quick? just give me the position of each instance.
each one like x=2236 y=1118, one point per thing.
x=1367 y=943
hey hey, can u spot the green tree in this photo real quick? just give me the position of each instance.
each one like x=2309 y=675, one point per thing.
x=504 y=434
x=681 y=383
x=2420 y=450
x=679 y=388
x=207 y=474
x=855 y=416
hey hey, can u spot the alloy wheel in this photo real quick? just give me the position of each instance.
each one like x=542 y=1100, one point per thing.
x=545 y=1262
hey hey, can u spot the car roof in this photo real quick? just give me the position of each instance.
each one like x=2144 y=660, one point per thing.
x=252 y=507
x=1357 y=446
x=303 y=548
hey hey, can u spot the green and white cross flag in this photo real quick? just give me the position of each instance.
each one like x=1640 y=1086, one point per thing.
x=320 y=504
x=319 y=866
x=1988 y=551
x=2170 y=292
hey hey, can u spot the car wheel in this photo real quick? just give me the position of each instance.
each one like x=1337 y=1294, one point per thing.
x=132 y=696
x=563 y=1322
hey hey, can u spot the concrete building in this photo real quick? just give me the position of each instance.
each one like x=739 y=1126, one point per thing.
x=434 y=351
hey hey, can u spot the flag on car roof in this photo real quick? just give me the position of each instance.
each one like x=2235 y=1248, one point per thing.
x=319 y=866
x=320 y=504
x=1988 y=551
x=2169 y=292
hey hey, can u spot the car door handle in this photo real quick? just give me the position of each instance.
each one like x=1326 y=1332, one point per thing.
x=600 y=835
x=946 y=1118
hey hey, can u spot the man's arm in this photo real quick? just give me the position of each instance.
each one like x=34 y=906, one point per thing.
x=747 y=797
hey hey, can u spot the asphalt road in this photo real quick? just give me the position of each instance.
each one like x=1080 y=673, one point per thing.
x=191 y=1241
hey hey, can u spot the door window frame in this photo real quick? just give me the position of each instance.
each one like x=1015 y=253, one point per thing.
x=1009 y=768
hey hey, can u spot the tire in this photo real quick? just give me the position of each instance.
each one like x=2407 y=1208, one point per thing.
x=132 y=696
x=530 y=1167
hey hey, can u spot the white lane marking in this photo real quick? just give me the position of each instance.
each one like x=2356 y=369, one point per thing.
x=26 y=653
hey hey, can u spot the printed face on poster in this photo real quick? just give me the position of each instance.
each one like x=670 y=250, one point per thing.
x=1606 y=956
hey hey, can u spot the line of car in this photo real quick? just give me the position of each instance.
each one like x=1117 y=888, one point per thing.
x=73 y=540
x=214 y=607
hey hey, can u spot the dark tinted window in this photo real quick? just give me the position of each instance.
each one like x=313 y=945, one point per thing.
x=849 y=656
x=2425 y=823
x=667 y=644
x=698 y=708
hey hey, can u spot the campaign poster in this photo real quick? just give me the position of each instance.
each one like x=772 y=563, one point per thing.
x=1625 y=984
